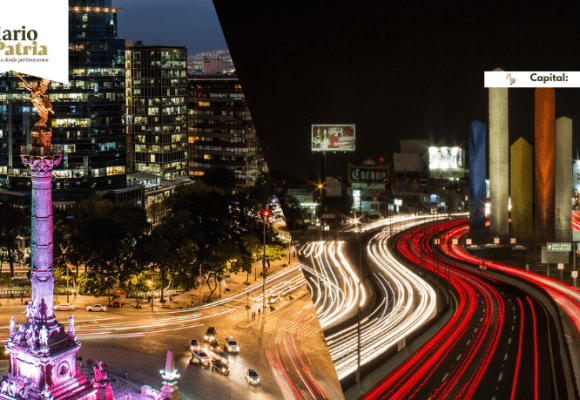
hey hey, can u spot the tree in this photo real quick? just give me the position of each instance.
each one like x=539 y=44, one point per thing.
x=12 y=225
x=95 y=283
x=166 y=250
x=220 y=178
x=273 y=253
x=103 y=237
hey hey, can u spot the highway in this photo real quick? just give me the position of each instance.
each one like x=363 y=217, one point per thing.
x=490 y=348
x=398 y=303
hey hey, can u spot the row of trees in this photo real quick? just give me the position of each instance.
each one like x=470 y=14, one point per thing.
x=207 y=231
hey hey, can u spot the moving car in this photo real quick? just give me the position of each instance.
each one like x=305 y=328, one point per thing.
x=97 y=307
x=220 y=367
x=211 y=336
x=252 y=377
x=194 y=345
x=64 y=307
x=231 y=346
x=218 y=354
x=200 y=356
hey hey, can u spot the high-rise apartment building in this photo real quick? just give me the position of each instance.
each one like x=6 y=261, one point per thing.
x=88 y=111
x=221 y=131
x=156 y=98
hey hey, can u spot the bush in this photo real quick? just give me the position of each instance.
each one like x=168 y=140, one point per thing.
x=246 y=283
x=285 y=264
x=272 y=309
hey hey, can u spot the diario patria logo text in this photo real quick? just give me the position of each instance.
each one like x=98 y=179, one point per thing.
x=21 y=42
x=34 y=38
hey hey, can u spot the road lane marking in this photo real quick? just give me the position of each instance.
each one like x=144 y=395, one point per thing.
x=500 y=376
x=458 y=357
x=445 y=377
x=505 y=357
x=510 y=341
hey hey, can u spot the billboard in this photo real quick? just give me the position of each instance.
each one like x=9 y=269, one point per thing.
x=446 y=162
x=333 y=138
x=367 y=174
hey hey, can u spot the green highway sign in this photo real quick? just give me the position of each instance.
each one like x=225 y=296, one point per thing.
x=560 y=246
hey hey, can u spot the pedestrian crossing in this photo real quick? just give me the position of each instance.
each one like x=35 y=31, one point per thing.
x=303 y=328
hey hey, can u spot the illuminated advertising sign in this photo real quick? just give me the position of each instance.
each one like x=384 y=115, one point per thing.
x=365 y=174
x=446 y=161
x=333 y=138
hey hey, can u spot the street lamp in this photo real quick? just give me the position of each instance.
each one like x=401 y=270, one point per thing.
x=265 y=213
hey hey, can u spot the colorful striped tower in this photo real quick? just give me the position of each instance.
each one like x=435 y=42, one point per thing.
x=545 y=144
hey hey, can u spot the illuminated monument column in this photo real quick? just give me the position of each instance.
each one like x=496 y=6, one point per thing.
x=545 y=144
x=521 y=189
x=498 y=159
x=563 y=177
x=477 y=172
x=42 y=355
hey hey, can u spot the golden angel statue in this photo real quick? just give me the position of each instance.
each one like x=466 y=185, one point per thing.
x=42 y=104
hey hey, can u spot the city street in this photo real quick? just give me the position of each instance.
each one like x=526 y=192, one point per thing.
x=136 y=342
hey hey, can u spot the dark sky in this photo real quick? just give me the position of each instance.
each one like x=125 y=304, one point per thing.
x=190 y=23
x=398 y=70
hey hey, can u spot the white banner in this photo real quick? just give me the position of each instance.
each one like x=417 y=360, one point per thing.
x=531 y=79
x=34 y=38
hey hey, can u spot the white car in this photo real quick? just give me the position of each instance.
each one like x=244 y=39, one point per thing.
x=200 y=356
x=252 y=377
x=273 y=299
x=97 y=307
x=231 y=346
x=194 y=345
x=64 y=307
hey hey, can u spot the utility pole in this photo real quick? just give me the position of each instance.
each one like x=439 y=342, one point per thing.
x=265 y=214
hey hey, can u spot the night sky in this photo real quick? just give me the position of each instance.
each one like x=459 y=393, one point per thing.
x=398 y=71
x=190 y=23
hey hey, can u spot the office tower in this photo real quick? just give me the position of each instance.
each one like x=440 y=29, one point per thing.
x=477 y=173
x=521 y=165
x=221 y=131
x=88 y=112
x=498 y=159
x=545 y=144
x=562 y=179
x=156 y=83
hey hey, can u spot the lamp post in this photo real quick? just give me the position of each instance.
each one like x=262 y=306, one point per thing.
x=265 y=213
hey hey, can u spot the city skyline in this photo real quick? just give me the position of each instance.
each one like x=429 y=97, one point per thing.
x=193 y=24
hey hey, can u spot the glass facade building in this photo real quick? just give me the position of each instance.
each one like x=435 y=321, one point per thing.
x=88 y=119
x=156 y=99
x=221 y=130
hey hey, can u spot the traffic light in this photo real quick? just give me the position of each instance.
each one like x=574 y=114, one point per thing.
x=265 y=213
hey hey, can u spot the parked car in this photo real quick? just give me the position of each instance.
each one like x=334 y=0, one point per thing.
x=64 y=307
x=211 y=336
x=252 y=377
x=97 y=307
x=200 y=356
x=231 y=346
x=220 y=366
x=273 y=299
x=194 y=345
